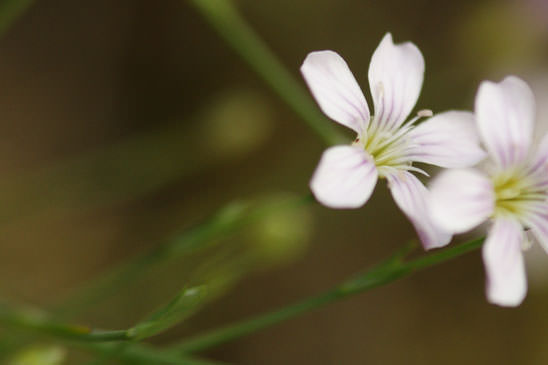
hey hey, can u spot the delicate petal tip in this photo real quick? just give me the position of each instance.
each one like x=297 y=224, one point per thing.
x=335 y=89
x=411 y=197
x=396 y=74
x=461 y=199
x=345 y=177
x=387 y=37
x=448 y=139
x=504 y=264
x=505 y=114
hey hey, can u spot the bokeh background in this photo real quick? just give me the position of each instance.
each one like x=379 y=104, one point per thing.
x=124 y=122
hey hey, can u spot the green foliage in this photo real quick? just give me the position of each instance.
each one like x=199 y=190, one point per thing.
x=278 y=231
x=182 y=306
x=39 y=355
x=226 y=20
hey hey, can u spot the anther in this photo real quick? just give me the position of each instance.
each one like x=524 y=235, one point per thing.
x=425 y=113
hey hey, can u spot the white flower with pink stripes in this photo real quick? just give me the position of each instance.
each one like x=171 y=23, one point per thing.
x=511 y=191
x=386 y=145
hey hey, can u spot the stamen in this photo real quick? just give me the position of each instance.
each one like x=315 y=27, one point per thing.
x=390 y=148
x=407 y=126
x=517 y=193
x=425 y=113
x=416 y=169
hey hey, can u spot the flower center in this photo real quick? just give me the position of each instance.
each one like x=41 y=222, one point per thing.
x=389 y=147
x=386 y=148
x=515 y=193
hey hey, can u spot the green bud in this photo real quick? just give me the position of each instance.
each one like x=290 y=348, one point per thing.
x=282 y=234
x=39 y=355
x=236 y=124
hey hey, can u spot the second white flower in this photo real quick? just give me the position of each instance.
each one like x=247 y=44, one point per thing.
x=386 y=145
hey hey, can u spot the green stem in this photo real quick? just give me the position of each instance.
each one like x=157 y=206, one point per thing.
x=232 y=332
x=142 y=354
x=33 y=321
x=226 y=221
x=109 y=344
x=226 y=20
x=388 y=271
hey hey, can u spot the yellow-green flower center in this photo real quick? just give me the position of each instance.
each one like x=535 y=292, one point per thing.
x=514 y=191
x=386 y=148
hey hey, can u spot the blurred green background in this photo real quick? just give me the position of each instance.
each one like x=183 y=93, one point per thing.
x=124 y=122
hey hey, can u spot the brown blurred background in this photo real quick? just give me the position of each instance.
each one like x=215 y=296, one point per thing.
x=122 y=122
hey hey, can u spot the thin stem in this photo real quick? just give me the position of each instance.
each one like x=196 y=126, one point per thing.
x=388 y=271
x=232 y=332
x=31 y=320
x=105 y=336
x=226 y=20
x=132 y=353
x=224 y=222
x=109 y=344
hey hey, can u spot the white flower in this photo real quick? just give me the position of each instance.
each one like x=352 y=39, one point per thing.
x=512 y=191
x=385 y=146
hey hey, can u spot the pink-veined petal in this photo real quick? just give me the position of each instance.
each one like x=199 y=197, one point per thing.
x=396 y=73
x=461 y=199
x=345 y=177
x=505 y=113
x=538 y=168
x=411 y=196
x=536 y=218
x=336 y=90
x=503 y=260
x=541 y=154
x=448 y=140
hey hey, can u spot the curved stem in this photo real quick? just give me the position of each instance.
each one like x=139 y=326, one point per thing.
x=131 y=353
x=226 y=20
x=223 y=223
x=34 y=321
x=388 y=271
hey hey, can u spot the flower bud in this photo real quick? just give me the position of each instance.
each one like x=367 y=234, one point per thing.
x=282 y=234
x=236 y=124
x=39 y=355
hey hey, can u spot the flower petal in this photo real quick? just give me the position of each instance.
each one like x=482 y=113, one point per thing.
x=503 y=260
x=539 y=163
x=336 y=90
x=448 y=140
x=344 y=178
x=461 y=199
x=396 y=73
x=411 y=196
x=505 y=113
x=536 y=218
